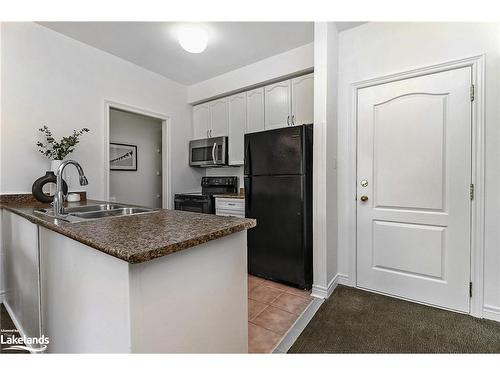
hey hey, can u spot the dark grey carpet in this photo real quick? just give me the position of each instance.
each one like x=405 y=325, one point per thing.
x=355 y=321
x=7 y=329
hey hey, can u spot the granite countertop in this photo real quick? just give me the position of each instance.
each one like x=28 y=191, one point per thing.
x=134 y=238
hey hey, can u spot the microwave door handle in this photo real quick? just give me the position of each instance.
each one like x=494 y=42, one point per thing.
x=213 y=152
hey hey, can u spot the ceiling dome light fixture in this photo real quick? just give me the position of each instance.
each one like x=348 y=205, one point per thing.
x=193 y=38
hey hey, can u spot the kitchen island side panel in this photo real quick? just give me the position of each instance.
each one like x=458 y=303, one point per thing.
x=194 y=301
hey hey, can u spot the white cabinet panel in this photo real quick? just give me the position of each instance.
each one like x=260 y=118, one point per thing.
x=303 y=100
x=255 y=110
x=20 y=243
x=218 y=118
x=201 y=121
x=277 y=105
x=237 y=125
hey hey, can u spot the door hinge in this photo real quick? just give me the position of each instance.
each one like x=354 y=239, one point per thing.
x=471 y=191
x=472 y=94
x=470 y=290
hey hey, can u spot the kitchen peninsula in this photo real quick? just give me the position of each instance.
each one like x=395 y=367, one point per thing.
x=164 y=281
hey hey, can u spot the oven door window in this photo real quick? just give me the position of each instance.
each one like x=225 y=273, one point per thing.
x=194 y=205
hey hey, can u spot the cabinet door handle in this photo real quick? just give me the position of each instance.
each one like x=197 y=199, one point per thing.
x=210 y=133
x=207 y=134
x=293 y=119
x=288 y=120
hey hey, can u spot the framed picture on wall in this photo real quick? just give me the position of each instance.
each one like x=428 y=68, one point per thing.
x=122 y=157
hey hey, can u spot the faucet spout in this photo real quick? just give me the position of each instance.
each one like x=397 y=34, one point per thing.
x=59 y=195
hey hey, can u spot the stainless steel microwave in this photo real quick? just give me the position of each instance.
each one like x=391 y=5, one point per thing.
x=209 y=152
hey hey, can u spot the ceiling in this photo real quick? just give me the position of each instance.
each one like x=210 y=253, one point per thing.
x=154 y=45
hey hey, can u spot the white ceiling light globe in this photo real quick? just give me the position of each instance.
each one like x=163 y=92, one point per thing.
x=193 y=39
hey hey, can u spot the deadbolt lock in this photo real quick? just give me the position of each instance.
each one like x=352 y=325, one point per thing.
x=364 y=198
x=364 y=183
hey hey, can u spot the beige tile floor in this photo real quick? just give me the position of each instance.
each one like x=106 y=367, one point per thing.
x=272 y=309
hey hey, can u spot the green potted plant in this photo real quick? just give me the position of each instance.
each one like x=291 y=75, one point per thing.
x=55 y=150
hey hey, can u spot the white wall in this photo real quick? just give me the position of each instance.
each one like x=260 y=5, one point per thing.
x=377 y=49
x=297 y=60
x=143 y=186
x=2 y=251
x=48 y=78
x=325 y=177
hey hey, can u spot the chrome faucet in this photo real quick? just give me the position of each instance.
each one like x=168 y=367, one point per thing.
x=59 y=195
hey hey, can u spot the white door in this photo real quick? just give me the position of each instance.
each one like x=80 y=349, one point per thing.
x=218 y=118
x=303 y=100
x=277 y=106
x=255 y=110
x=201 y=120
x=237 y=125
x=414 y=154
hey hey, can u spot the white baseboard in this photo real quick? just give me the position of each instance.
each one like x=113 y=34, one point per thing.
x=491 y=312
x=343 y=279
x=319 y=291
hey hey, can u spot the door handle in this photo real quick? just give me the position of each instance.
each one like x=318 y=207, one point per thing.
x=248 y=161
x=210 y=133
x=293 y=119
x=288 y=120
x=364 y=198
x=213 y=152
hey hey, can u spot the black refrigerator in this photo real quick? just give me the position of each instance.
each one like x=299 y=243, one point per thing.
x=278 y=194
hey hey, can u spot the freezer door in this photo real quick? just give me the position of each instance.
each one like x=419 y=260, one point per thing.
x=279 y=247
x=274 y=152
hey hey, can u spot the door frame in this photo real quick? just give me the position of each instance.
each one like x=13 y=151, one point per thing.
x=166 y=182
x=476 y=63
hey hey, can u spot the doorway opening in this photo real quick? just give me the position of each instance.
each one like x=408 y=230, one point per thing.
x=136 y=157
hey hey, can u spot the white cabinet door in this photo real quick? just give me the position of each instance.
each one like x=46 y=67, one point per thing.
x=201 y=121
x=20 y=243
x=237 y=124
x=255 y=110
x=303 y=100
x=277 y=105
x=218 y=118
x=414 y=168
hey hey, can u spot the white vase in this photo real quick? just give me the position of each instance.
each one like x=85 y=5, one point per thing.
x=54 y=165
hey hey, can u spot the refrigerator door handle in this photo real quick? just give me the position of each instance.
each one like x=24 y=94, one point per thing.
x=248 y=192
x=213 y=153
x=247 y=164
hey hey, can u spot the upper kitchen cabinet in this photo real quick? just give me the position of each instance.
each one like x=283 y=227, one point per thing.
x=237 y=115
x=277 y=106
x=201 y=121
x=218 y=118
x=255 y=110
x=302 y=100
x=290 y=102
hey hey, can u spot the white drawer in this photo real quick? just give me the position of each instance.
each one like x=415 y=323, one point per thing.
x=230 y=204
x=237 y=213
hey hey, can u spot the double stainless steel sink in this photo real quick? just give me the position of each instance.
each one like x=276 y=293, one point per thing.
x=93 y=212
